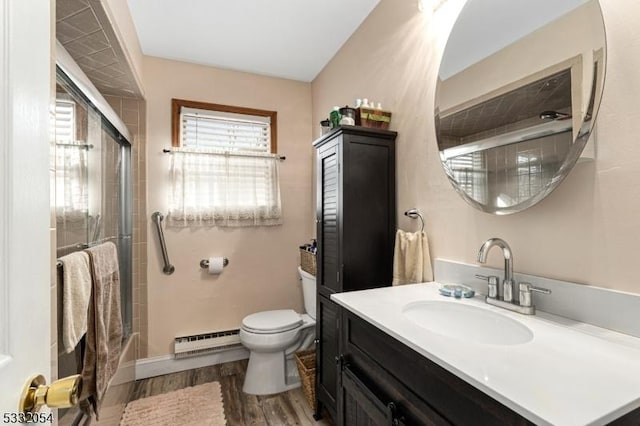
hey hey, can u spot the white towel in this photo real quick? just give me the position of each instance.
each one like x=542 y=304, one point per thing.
x=411 y=259
x=76 y=292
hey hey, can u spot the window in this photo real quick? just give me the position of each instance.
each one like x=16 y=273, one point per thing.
x=71 y=165
x=469 y=171
x=224 y=171
x=65 y=124
x=223 y=127
x=530 y=171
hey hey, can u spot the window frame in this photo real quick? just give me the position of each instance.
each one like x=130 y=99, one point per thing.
x=176 y=125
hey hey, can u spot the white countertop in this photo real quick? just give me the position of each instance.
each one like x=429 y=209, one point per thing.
x=571 y=373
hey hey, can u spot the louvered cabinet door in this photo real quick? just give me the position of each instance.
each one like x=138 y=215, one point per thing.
x=329 y=221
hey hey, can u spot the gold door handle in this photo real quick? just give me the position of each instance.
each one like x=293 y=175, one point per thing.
x=62 y=393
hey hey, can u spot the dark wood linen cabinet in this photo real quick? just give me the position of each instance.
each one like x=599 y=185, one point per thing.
x=356 y=223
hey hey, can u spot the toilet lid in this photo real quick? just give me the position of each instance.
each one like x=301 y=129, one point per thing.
x=272 y=321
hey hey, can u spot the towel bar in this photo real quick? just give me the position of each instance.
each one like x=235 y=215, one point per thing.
x=168 y=268
x=414 y=213
x=83 y=246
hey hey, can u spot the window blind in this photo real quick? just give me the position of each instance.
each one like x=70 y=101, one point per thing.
x=224 y=131
x=65 y=121
x=71 y=167
x=468 y=171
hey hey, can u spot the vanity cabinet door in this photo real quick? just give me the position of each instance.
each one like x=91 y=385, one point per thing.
x=359 y=406
x=328 y=327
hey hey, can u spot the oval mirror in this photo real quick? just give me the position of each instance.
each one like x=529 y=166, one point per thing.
x=517 y=95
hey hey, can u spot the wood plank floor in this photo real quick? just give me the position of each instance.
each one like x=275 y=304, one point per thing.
x=285 y=409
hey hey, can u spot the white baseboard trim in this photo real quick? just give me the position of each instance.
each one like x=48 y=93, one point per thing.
x=165 y=364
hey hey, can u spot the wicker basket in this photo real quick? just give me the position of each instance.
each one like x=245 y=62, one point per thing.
x=306 y=361
x=369 y=117
x=308 y=262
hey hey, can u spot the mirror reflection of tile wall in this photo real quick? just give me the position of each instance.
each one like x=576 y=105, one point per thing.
x=507 y=175
x=515 y=110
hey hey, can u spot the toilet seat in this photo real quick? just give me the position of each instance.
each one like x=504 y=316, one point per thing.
x=270 y=322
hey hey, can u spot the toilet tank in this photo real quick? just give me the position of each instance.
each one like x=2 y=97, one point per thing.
x=308 y=292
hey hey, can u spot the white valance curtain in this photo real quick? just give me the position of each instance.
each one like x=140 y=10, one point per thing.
x=71 y=183
x=211 y=188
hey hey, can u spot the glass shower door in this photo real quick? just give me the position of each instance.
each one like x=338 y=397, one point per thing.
x=92 y=185
x=92 y=199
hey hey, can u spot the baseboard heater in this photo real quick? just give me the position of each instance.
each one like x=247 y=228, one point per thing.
x=206 y=343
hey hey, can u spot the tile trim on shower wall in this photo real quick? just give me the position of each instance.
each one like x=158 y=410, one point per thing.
x=132 y=111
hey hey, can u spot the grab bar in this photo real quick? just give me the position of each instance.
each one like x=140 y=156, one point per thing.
x=168 y=267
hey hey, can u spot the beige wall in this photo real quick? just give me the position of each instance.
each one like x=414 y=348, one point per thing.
x=586 y=231
x=262 y=272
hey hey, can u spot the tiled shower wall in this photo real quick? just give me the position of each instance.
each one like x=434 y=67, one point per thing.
x=133 y=113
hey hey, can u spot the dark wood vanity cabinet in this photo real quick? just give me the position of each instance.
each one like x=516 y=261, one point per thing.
x=356 y=222
x=384 y=382
x=383 y=376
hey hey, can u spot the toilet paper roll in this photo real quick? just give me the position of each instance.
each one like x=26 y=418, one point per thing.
x=216 y=265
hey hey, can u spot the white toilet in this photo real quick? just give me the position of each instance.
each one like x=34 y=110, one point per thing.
x=273 y=337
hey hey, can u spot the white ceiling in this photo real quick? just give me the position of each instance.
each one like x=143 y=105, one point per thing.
x=282 y=38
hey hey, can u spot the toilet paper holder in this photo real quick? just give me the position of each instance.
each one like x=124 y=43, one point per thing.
x=204 y=263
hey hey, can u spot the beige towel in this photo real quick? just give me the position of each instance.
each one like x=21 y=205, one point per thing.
x=76 y=292
x=411 y=259
x=104 y=330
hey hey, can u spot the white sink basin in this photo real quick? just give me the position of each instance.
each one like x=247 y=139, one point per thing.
x=467 y=323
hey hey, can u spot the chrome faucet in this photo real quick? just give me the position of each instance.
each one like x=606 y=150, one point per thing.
x=507 y=283
x=525 y=305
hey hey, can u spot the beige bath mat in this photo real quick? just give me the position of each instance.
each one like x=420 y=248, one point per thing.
x=196 y=405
